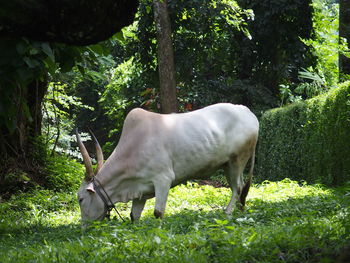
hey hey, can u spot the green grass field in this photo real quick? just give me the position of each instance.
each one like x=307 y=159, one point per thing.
x=283 y=222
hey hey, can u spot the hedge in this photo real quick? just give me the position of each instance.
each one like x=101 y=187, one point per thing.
x=307 y=140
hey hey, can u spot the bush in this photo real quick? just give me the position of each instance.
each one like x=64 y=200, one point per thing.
x=63 y=173
x=308 y=140
x=46 y=171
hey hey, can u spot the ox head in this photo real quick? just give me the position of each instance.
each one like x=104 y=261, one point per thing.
x=92 y=206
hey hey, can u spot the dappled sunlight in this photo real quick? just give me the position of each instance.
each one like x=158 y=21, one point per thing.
x=66 y=218
x=285 y=189
x=267 y=195
x=285 y=219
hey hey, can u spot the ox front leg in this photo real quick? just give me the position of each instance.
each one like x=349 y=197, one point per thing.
x=136 y=209
x=233 y=173
x=161 y=192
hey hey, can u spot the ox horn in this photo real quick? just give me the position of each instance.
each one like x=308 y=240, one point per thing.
x=99 y=153
x=86 y=158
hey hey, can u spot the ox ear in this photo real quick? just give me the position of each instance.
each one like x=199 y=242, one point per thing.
x=90 y=188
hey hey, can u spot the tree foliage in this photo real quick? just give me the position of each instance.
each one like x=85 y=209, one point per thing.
x=326 y=46
x=256 y=53
x=214 y=42
x=223 y=51
x=67 y=21
x=276 y=53
x=344 y=33
x=324 y=42
x=26 y=68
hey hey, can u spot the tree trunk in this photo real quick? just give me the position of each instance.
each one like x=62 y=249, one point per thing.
x=17 y=146
x=166 y=66
x=344 y=32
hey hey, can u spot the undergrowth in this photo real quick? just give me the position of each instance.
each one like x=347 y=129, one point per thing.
x=283 y=222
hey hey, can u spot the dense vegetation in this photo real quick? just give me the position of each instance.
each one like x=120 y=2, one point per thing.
x=225 y=51
x=307 y=140
x=283 y=222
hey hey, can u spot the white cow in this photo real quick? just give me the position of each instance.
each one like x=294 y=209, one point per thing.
x=159 y=151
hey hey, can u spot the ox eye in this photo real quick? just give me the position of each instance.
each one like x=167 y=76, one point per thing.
x=80 y=200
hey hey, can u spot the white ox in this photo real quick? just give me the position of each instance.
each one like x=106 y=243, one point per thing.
x=159 y=151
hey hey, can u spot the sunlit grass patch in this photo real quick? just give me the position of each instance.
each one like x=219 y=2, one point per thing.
x=286 y=189
x=283 y=222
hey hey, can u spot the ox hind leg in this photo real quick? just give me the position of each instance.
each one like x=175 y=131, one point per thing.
x=233 y=172
x=136 y=209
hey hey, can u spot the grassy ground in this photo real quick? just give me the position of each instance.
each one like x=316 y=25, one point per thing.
x=283 y=222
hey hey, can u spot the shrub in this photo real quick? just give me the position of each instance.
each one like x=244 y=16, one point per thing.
x=307 y=140
x=63 y=173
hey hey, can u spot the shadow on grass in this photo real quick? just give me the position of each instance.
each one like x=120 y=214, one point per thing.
x=39 y=233
x=258 y=211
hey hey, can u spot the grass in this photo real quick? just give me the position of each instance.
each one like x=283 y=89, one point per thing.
x=283 y=222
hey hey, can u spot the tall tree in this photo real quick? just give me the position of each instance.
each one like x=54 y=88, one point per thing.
x=23 y=83
x=275 y=52
x=344 y=32
x=25 y=64
x=166 y=66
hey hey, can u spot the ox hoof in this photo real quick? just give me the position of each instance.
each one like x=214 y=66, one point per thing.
x=134 y=219
x=158 y=214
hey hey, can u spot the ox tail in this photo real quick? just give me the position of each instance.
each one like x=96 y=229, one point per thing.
x=246 y=187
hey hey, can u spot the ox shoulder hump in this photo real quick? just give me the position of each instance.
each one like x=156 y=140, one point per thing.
x=231 y=107
x=140 y=117
x=240 y=110
x=138 y=114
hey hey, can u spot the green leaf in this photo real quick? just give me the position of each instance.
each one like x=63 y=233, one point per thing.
x=32 y=63
x=120 y=36
x=22 y=47
x=48 y=51
x=148 y=9
x=66 y=64
x=26 y=112
x=157 y=239
x=11 y=125
x=51 y=66
x=81 y=69
x=33 y=51
x=99 y=49
x=25 y=74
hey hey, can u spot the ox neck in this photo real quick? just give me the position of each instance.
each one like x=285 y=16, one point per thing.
x=109 y=180
x=108 y=203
